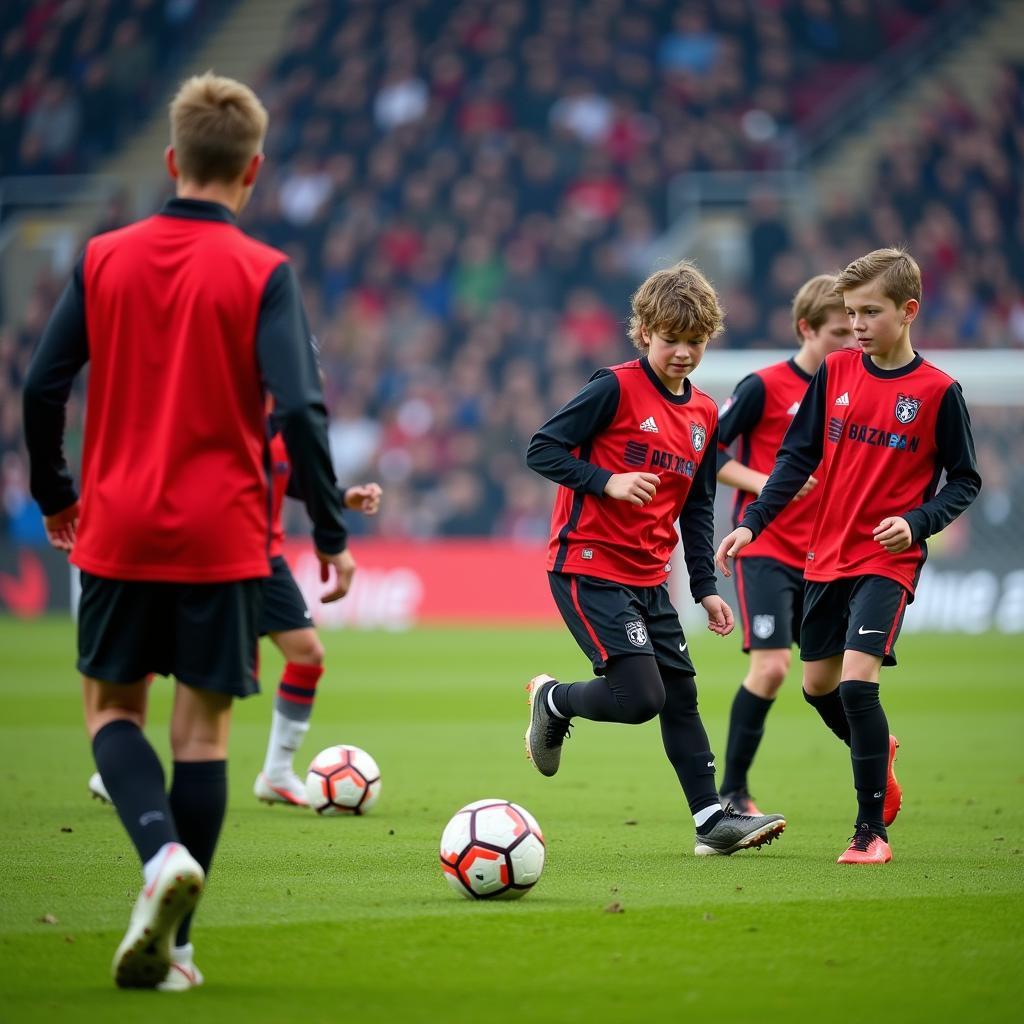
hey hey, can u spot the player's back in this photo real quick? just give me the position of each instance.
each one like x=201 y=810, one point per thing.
x=173 y=479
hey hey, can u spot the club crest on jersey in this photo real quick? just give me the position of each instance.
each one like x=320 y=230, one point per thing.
x=637 y=633
x=764 y=626
x=906 y=408
x=698 y=435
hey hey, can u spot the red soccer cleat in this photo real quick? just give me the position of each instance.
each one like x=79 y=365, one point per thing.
x=866 y=847
x=893 y=790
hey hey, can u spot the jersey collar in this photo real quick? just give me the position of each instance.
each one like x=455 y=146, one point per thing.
x=799 y=370
x=198 y=209
x=902 y=371
x=662 y=390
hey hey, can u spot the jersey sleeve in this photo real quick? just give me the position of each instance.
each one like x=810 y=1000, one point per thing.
x=579 y=420
x=797 y=459
x=291 y=373
x=740 y=415
x=955 y=444
x=697 y=526
x=63 y=350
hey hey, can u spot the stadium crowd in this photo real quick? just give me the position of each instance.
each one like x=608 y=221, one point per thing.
x=470 y=198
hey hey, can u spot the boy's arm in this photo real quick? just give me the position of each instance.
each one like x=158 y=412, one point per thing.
x=697 y=527
x=550 y=449
x=63 y=350
x=738 y=417
x=956 y=453
x=288 y=363
x=797 y=459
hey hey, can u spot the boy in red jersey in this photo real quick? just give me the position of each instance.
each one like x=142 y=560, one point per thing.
x=883 y=423
x=288 y=623
x=631 y=453
x=186 y=324
x=770 y=574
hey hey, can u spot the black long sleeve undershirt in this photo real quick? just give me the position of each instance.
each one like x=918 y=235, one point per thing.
x=697 y=525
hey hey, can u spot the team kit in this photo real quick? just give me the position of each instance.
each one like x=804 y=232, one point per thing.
x=836 y=456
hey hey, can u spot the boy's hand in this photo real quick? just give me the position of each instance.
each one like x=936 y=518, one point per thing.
x=364 y=498
x=62 y=528
x=893 y=533
x=344 y=568
x=720 y=618
x=809 y=485
x=731 y=547
x=636 y=488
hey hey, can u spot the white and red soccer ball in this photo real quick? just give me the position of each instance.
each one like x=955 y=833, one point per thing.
x=492 y=849
x=342 y=780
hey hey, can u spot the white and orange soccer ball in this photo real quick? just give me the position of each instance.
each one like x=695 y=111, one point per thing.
x=342 y=780
x=492 y=849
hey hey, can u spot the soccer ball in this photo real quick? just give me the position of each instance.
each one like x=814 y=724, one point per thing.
x=342 y=780
x=492 y=849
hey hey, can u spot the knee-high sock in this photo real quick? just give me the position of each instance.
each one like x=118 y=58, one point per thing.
x=293 y=705
x=134 y=778
x=686 y=742
x=830 y=707
x=869 y=749
x=630 y=692
x=199 y=798
x=746 y=727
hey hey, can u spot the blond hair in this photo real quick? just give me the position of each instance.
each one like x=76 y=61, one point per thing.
x=814 y=301
x=217 y=127
x=895 y=269
x=675 y=302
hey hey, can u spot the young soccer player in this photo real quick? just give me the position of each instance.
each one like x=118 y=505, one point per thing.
x=186 y=324
x=633 y=453
x=770 y=573
x=287 y=621
x=883 y=423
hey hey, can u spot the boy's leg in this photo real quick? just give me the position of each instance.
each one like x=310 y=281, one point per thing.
x=293 y=705
x=821 y=691
x=770 y=600
x=822 y=642
x=630 y=692
x=288 y=622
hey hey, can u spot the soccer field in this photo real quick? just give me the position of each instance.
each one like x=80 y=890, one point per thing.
x=308 y=919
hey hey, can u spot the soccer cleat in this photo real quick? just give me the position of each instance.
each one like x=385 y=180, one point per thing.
x=739 y=832
x=740 y=801
x=144 y=956
x=547 y=731
x=286 y=790
x=98 y=790
x=893 y=790
x=866 y=847
x=183 y=973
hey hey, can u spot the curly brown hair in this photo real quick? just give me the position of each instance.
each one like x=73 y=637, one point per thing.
x=676 y=302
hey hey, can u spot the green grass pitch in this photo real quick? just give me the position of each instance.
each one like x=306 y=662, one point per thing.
x=309 y=919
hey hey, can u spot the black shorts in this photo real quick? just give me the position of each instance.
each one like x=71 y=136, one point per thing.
x=284 y=607
x=608 y=619
x=203 y=634
x=861 y=613
x=770 y=595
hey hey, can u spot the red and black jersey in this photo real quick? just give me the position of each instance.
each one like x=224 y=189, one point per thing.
x=625 y=420
x=756 y=417
x=185 y=321
x=883 y=438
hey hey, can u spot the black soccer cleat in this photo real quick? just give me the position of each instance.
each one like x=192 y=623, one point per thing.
x=739 y=832
x=546 y=731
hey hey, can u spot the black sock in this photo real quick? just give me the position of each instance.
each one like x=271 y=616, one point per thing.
x=199 y=798
x=833 y=714
x=869 y=749
x=631 y=691
x=686 y=743
x=746 y=727
x=134 y=778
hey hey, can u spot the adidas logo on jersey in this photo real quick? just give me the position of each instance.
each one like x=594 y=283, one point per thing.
x=649 y=425
x=793 y=409
x=843 y=399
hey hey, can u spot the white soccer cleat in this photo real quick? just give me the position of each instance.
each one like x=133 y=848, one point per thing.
x=183 y=973
x=288 y=789
x=97 y=789
x=145 y=954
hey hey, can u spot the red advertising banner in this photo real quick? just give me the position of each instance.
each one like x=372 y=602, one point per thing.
x=399 y=584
